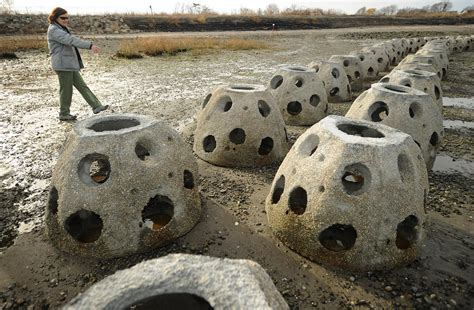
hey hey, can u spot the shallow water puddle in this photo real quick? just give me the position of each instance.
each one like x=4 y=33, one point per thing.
x=456 y=124
x=447 y=164
x=466 y=103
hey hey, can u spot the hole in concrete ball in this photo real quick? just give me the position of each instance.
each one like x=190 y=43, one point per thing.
x=335 y=73
x=53 y=200
x=349 y=78
x=349 y=89
x=357 y=74
x=158 y=212
x=395 y=88
x=309 y=145
x=242 y=87
x=394 y=61
x=444 y=72
x=360 y=130
x=266 y=146
x=314 y=100
x=263 y=108
x=276 y=81
x=378 y=111
x=370 y=70
x=362 y=57
x=172 y=301
x=414 y=110
x=380 y=60
x=225 y=103
x=237 y=136
x=206 y=100
x=385 y=80
x=346 y=63
x=141 y=151
x=299 y=82
x=434 y=139
x=437 y=92
x=294 y=108
x=188 y=179
x=278 y=189
x=334 y=91
x=209 y=144
x=338 y=237
x=405 y=168
x=94 y=169
x=356 y=179
x=316 y=68
x=298 y=200
x=114 y=124
x=407 y=232
x=84 y=226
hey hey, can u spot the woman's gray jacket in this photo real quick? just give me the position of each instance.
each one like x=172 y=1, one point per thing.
x=62 y=48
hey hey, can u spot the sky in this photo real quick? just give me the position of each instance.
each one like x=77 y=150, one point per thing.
x=169 y=6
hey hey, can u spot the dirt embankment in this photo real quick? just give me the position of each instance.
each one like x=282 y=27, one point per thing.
x=110 y=24
x=219 y=23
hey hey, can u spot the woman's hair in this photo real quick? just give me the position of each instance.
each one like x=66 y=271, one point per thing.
x=55 y=13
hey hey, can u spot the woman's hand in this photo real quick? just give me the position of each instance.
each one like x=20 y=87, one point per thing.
x=95 y=49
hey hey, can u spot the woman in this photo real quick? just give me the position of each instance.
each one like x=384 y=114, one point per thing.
x=67 y=62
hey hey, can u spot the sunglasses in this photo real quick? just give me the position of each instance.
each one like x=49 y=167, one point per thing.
x=64 y=18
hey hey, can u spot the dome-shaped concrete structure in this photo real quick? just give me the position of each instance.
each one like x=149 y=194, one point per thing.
x=407 y=109
x=123 y=184
x=353 y=68
x=336 y=197
x=240 y=125
x=335 y=80
x=300 y=94
x=381 y=56
x=370 y=67
x=425 y=81
x=424 y=59
x=183 y=281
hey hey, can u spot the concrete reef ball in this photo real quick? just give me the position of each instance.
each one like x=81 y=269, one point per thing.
x=124 y=183
x=300 y=94
x=240 y=126
x=425 y=81
x=407 y=109
x=182 y=281
x=380 y=54
x=335 y=80
x=336 y=197
x=370 y=67
x=353 y=70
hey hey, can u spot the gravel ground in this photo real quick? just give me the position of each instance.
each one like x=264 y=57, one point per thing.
x=234 y=221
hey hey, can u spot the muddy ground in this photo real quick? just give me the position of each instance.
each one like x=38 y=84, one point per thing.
x=33 y=274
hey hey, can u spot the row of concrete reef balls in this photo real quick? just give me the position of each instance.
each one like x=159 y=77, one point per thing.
x=125 y=183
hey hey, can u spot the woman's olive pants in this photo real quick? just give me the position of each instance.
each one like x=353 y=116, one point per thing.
x=68 y=79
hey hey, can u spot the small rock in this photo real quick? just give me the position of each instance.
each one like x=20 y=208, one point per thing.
x=388 y=288
x=352 y=279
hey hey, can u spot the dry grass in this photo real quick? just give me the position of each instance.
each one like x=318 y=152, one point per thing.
x=15 y=44
x=159 y=46
x=9 y=46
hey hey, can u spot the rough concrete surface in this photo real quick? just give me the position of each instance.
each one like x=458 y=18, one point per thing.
x=335 y=197
x=240 y=125
x=123 y=183
x=407 y=109
x=300 y=94
x=222 y=283
x=335 y=80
